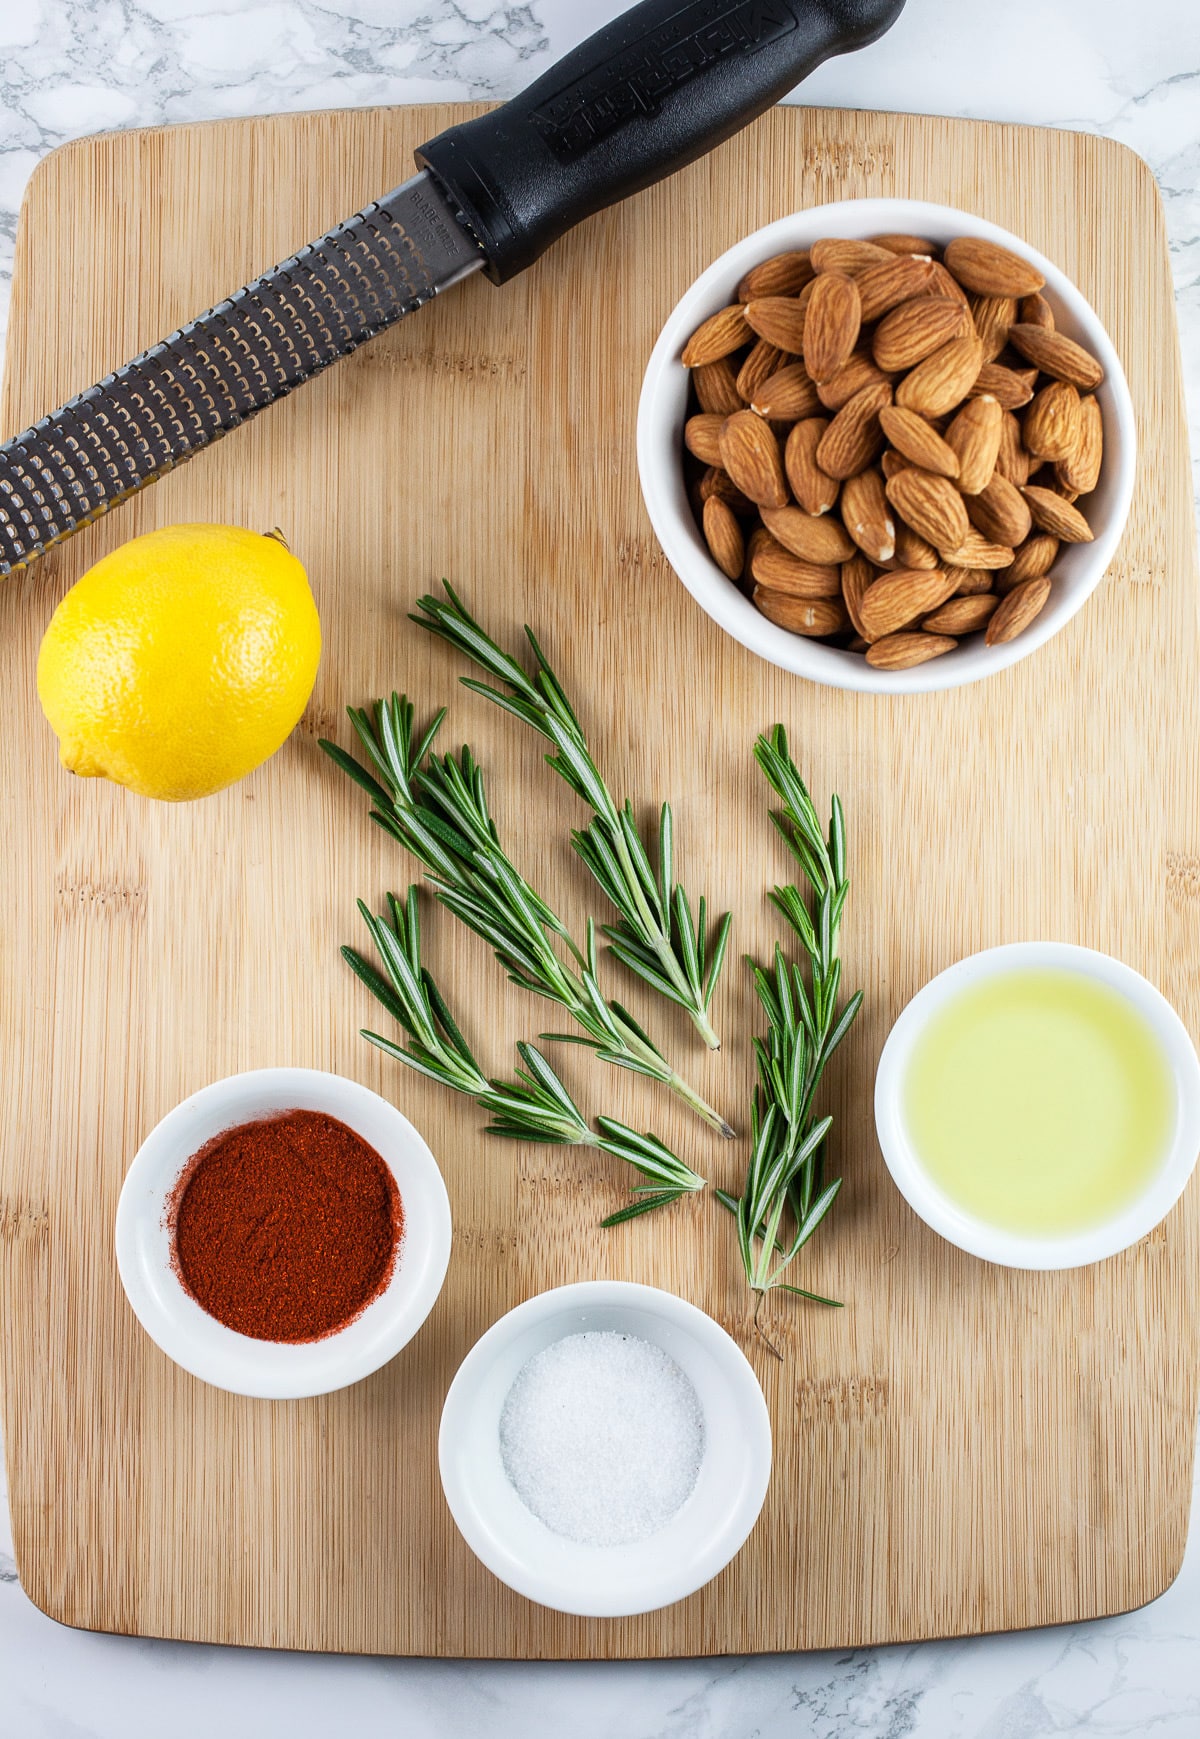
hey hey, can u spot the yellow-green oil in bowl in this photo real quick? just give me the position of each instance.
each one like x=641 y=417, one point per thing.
x=1039 y=1100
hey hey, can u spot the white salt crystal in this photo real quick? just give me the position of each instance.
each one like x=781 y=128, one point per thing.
x=602 y=1436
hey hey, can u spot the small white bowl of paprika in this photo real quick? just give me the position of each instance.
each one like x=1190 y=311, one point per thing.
x=283 y=1233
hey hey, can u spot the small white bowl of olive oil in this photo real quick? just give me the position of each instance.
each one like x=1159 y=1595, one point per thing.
x=1039 y=1105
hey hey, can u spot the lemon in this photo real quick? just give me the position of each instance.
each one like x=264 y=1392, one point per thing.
x=181 y=660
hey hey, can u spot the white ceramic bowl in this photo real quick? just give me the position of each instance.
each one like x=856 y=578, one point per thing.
x=237 y=1362
x=699 y=1540
x=1011 y=1249
x=663 y=411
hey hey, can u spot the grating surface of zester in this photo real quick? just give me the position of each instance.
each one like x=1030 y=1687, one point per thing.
x=214 y=373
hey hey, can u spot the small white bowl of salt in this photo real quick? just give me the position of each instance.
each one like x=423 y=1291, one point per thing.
x=605 y=1449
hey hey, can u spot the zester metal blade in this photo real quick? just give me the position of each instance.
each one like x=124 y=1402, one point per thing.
x=213 y=374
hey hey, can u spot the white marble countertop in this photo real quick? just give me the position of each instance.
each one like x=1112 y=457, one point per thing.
x=69 y=67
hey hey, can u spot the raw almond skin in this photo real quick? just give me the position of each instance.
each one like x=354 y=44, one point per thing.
x=854 y=436
x=1052 y=426
x=1012 y=461
x=840 y=254
x=831 y=324
x=1032 y=559
x=890 y=461
x=750 y=453
x=1011 y=387
x=788 y=394
x=896 y=243
x=1001 y=513
x=853 y=375
x=965 y=615
x=720 y=335
x=931 y=505
x=716 y=387
x=970 y=581
x=1081 y=470
x=1057 y=516
x=993 y=315
x=814 y=490
x=865 y=515
x=915 y=330
x=857 y=575
x=776 y=568
x=898 y=598
x=892 y=281
x=763 y=359
x=723 y=535
x=778 y=319
x=815 y=618
x=821 y=539
x=974 y=436
x=918 y=441
x=759 y=538
x=1018 y=610
x=977 y=552
x=943 y=380
x=905 y=651
x=1056 y=354
x=720 y=483
x=913 y=551
x=781 y=275
x=946 y=284
x=1035 y=311
x=989 y=269
x=702 y=437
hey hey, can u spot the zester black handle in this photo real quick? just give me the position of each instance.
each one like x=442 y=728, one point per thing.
x=646 y=95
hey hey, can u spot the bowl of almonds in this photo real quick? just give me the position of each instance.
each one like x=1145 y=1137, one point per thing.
x=887 y=445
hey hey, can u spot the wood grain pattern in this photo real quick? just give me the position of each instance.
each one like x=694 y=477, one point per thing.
x=962 y=1448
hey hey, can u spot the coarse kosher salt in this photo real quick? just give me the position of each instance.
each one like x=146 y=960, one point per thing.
x=602 y=1436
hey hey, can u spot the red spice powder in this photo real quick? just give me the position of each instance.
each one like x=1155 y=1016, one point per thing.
x=287 y=1228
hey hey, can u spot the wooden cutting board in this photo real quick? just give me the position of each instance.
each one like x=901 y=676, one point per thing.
x=962 y=1448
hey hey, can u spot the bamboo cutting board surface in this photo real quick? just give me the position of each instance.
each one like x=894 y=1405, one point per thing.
x=962 y=1448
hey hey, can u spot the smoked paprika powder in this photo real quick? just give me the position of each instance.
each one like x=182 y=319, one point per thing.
x=285 y=1229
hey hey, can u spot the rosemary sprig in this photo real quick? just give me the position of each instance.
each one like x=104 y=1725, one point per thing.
x=784 y=1176
x=533 y=1107
x=657 y=936
x=437 y=808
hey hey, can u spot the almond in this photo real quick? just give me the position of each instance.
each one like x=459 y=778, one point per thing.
x=916 y=329
x=776 y=568
x=1056 y=354
x=918 y=441
x=720 y=483
x=1035 y=311
x=975 y=551
x=993 y=315
x=750 y=453
x=720 y=335
x=906 y=244
x=898 y=598
x=895 y=280
x=816 y=618
x=865 y=515
x=971 y=581
x=716 y=386
x=1018 y=610
x=905 y=651
x=763 y=359
x=1011 y=387
x=943 y=380
x=840 y=254
x=755 y=543
x=1053 y=514
x=781 y=275
x=890 y=461
x=989 y=269
x=854 y=436
x=857 y=575
x=974 y=436
x=723 y=535
x=787 y=394
x=962 y=615
x=813 y=538
x=1053 y=423
x=702 y=437
x=814 y=490
x=778 y=319
x=931 y=505
x=859 y=371
x=1012 y=461
x=946 y=284
x=831 y=324
x=1000 y=512
x=1081 y=470
x=912 y=551
x=1032 y=559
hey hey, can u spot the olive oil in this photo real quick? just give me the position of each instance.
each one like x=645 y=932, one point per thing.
x=1039 y=1101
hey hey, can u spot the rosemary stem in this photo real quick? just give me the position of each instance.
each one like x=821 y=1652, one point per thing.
x=658 y=928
